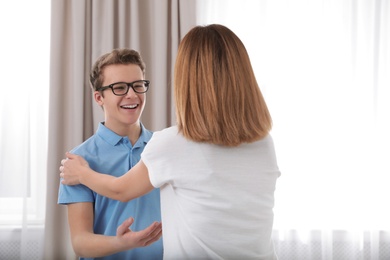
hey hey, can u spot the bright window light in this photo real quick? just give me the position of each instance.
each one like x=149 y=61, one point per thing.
x=326 y=89
x=24 y=51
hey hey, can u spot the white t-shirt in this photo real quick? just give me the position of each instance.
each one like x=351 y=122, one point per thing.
x=216 y=202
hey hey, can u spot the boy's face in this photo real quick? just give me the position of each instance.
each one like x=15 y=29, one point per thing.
x=121 y=112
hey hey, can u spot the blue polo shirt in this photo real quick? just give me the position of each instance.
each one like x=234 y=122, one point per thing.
x=107 y=152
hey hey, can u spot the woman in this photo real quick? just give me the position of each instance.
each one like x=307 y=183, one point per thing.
x=216 y=169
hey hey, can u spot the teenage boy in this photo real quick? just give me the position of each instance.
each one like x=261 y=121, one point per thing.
x=96 y=222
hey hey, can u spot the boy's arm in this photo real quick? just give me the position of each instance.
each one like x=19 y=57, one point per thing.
x=87 y=244
x=133 y=184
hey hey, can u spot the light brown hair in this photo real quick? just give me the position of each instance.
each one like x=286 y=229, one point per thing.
x=217 y=97
x=116 y=56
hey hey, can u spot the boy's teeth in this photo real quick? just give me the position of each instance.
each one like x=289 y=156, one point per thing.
x=130 y=106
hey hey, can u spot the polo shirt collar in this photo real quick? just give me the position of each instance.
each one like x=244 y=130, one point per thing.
x=112 y=138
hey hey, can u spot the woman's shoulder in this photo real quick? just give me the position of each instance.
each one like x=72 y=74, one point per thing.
x=169 y=131
x=167 y=135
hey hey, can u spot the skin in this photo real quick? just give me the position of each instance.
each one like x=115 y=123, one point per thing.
x=124 y=122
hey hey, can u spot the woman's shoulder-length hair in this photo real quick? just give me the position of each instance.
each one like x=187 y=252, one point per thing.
x=217 y=97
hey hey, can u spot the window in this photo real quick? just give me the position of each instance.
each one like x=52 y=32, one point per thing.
x=25 y=49
x=323 y=69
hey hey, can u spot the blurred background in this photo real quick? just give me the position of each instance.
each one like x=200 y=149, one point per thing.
x=322 y=65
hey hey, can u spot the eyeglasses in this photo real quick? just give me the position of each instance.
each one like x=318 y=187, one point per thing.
x=121 y=88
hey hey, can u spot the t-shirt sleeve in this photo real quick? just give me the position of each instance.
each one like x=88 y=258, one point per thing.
x=73 y=194
x=153 y=158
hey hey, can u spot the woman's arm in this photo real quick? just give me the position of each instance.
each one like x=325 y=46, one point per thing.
x=133 y=184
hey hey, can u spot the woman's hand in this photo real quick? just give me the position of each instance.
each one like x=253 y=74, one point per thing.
x=72 y=168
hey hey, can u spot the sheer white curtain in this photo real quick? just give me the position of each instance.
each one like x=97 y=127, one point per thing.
x=24 y=48
x=324 y=68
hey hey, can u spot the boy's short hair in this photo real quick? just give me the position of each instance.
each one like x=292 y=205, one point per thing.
x=116 y=56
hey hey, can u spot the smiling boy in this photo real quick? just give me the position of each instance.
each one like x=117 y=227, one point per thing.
x=119 y=87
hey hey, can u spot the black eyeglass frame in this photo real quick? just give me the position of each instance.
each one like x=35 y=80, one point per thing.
x=129 y=85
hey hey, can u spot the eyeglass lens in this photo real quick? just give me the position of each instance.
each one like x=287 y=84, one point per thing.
x=122 y=88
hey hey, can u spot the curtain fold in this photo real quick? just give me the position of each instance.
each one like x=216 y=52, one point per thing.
x=82 y=31
x=69 y=111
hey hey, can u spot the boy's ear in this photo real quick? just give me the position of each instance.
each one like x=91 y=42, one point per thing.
x=98 y=98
